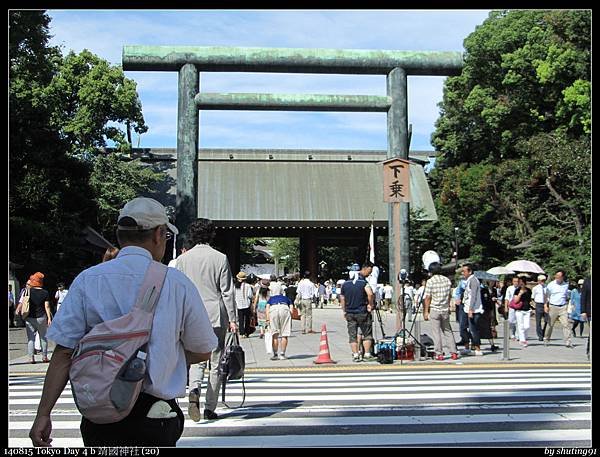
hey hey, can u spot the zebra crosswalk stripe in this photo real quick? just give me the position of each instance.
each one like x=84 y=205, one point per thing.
x=499 y=407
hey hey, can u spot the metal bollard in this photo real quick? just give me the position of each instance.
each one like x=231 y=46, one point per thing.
x=506 y=344
x=418 y=338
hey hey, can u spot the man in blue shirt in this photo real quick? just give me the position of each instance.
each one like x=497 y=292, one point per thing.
x=356 y=300
x=279 y=319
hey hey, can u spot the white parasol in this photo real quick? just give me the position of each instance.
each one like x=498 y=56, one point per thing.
x=500 y=271
x=525 y=266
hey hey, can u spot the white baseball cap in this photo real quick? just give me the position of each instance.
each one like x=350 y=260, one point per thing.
x=147 y=213
x=541 y=278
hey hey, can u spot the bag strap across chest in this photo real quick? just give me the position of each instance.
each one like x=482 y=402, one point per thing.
x=151 y=287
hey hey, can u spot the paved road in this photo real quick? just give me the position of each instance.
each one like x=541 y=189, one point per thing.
x=370 y=405
x=303 y=349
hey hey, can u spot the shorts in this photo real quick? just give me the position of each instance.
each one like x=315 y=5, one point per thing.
x=281 y=320
x=364 y=321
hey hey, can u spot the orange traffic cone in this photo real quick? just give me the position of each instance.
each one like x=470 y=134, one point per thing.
x=324 y=356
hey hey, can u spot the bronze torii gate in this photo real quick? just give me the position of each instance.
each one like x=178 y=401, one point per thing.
x=189 y=61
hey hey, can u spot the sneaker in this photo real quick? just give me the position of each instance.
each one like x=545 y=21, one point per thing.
x=356 y=358
x=194 y=405
x=540 y=338
x=282 y=357
x=569 y=345
x=439 y=357
x=545 y=342
x=210 y=415
x=494 y=348
x=465 y=351
x=368 y=358
x=523 y=343
x=478 y=352
x=275 y=357
x=454 y=356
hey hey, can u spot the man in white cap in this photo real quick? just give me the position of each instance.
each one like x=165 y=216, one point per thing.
x=181 y=333
x=538 y=295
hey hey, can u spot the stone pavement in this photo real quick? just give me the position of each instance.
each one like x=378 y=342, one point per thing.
x=303 y=349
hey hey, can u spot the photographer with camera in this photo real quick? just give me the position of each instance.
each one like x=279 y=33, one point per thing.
x=357 y=301
x=438 y=293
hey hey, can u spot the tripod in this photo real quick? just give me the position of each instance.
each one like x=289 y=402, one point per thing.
x=403 y=330
x=378 y=314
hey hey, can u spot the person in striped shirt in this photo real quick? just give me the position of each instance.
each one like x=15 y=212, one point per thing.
x=438 y=295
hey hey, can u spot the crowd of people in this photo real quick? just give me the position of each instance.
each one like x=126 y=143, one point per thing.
x=202 y=305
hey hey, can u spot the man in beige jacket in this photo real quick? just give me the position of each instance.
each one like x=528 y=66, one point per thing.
x=209 y=270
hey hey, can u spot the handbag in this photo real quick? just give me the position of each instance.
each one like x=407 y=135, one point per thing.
x=295 y=314
x=514 y=305
x=232 y=365
x=24 y=304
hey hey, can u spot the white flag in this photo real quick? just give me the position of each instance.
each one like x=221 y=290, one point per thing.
x=174 y=246
x=372 y=245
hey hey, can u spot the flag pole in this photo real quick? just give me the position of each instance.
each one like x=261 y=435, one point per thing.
x=371 y=249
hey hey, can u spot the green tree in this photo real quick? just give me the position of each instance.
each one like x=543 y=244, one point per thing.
x=94 y=98
x=115 y=180
x=514 y=136
x=62 y=110
x=287 y=250
x=525 y=72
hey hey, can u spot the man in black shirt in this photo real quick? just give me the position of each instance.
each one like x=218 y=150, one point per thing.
x=356 y=300
x=586 y=308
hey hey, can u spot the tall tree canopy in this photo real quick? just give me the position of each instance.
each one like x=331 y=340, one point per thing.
x=514 y=134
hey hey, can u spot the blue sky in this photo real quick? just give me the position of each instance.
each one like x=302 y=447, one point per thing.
x=104 y=32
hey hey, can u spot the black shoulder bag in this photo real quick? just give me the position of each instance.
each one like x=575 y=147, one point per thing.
x=231 y=366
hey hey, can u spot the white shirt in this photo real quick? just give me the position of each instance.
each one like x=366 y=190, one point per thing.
x=108 y=291
x=539 y=294
x=60 y=297
x=419 y=294
x=243 y=295
x=373 y=278
x=558 y=294
x=172 y=263
x=306 y=289
x=388 y=291
x=275 y=288
x=510 y=293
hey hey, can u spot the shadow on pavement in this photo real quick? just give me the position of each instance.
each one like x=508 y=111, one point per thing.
x=264 y=409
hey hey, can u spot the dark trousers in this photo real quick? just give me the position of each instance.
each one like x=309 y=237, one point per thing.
x=539 y=314
x=11 y=316
x=463 y=325
x=474 y=329
x=136 y=429
x=580 y=324
x=244 y=320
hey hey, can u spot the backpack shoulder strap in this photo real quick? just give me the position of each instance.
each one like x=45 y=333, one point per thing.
x=151 y=287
